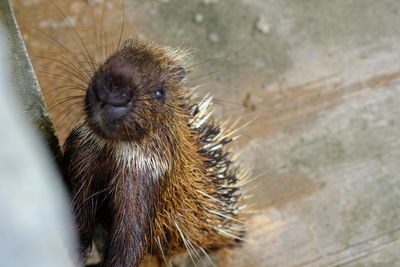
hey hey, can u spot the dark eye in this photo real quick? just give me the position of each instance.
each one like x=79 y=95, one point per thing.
x=159 y=94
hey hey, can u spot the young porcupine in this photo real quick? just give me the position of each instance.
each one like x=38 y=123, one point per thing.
x=150 y=165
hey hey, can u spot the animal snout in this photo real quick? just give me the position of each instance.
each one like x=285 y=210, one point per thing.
x=116 y=98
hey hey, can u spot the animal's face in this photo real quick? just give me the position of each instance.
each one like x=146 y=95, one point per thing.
x=136 y=91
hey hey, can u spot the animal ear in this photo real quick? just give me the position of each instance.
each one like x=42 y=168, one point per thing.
x=179 y=73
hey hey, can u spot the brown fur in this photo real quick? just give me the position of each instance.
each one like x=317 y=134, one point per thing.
x=159 y=179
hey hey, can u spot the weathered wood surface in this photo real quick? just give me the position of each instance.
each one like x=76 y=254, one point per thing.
x=322 y=77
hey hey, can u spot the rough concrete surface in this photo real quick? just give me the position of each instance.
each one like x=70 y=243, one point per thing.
x=321 y=81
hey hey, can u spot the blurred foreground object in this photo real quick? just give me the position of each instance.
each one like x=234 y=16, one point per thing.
x=35 y=229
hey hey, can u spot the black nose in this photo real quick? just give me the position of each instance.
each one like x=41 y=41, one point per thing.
x=110 y=96
x=106 y=97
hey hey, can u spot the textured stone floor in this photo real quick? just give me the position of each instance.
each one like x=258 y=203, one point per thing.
x=321 y=81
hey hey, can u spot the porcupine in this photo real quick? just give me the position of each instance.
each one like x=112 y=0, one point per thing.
x=149 y=164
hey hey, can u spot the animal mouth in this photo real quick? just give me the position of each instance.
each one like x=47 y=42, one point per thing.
x=115 y=112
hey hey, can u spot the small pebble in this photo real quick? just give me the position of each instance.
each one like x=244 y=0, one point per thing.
x=263 y=25
x=198 y=18
x=30 y=2
x=206 y=2
x=180 y=32
x=213 y=37
x=153 y=11
x=85 y=20
x=94 y=2
x=141 y=36
x=110 y=5
x=77 y=7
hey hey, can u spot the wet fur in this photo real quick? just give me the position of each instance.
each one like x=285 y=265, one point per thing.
x=160 y=182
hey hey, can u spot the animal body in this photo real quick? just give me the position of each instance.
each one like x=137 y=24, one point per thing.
x=149 y=164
